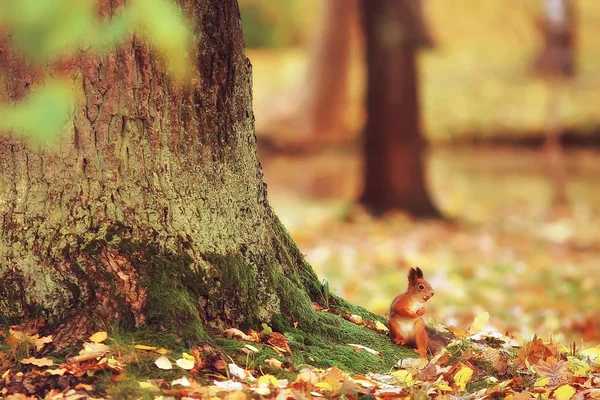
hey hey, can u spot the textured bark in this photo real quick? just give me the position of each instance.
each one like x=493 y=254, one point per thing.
x=153 y=208
x=394 y=171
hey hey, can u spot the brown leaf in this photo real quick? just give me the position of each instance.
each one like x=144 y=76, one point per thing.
x=279 y=342
x=535 y=351
x=556 y=371
x=495 y=357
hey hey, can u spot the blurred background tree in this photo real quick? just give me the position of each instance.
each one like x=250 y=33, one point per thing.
x=394 y=145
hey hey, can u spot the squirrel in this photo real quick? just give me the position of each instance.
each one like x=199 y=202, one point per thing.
x=405 y=322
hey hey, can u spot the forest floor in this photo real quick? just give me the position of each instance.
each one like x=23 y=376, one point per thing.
x=504 y=249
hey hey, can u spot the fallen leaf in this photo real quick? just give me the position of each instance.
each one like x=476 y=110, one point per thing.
x=185 y=363
x=236 y=333
x=229 y=385
x=163 y=363
x=556 y=371
x=279 y=342
x=356 y=319
x=38 y=362
x=144 y=347
x=460 y=333
x=593 y=353
x=240 y=372
x=98 y=337
x=579 y=367
x=564 y=392
x=361 y=347
x=183 y=381
x=381 y=326
x=56 y=372
x=462 y=377
x=188 y=356
x=252 y=348
x=404 y=377
x=480 y=322
x=90 y=351
x=416 y=363
x=541 y=382
x=40 y=342
x=273 y=362
x=268 y=380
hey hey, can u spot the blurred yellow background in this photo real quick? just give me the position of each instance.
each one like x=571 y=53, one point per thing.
x=504 y=247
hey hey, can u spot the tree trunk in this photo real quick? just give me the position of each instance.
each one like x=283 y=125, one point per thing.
x=558 y=28
x=326 y=95
x=394 y=170
x=152 y=210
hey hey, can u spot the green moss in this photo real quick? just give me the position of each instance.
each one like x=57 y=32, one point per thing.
x=127 y=388
x=241 y=287
x=173 y=288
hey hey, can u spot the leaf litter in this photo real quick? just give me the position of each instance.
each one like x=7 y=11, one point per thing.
x=480 y=365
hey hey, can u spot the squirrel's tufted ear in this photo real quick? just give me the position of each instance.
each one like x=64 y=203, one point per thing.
x=412 y=276
x=419 y=273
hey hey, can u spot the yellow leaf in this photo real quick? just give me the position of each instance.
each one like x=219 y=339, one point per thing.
x=542 y=382
x=5 y=374
x=404 y=377
x=268 y=380
x=98 y=337
x=144 y=347
x=381 y=326
x=163 y=363
x=188 y=356
x=458 y=332
x=356 y=319
x=480 y=322
x=161 y=351
x=462 y=377
x=579 y=367
x=324 y=386
x=186 y=364
x=564 y=392
x=443 y=387
x=592 y=353
x=38 y=362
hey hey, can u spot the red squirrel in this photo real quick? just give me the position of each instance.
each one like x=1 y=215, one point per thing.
x=406 y=322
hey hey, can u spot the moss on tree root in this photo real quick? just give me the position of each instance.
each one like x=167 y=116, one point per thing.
x=179 y=290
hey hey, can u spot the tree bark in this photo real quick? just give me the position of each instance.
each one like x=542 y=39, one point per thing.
x=394 y=164
x=152 y=210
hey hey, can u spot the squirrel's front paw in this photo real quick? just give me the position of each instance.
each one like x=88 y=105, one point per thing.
x=399 y=341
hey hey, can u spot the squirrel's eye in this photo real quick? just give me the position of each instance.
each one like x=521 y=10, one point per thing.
x=421 y=287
